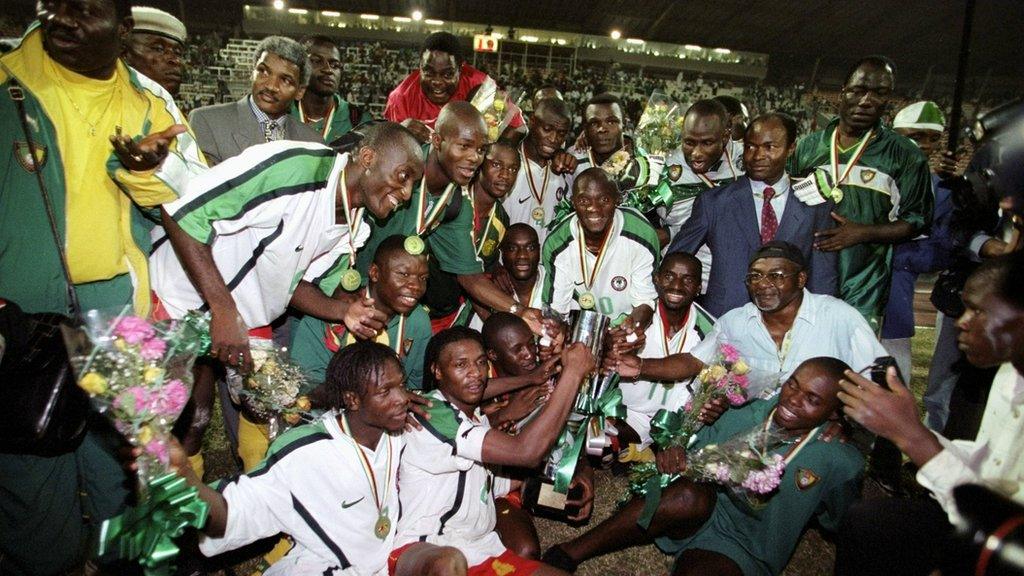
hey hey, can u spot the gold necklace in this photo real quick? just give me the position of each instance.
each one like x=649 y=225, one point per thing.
x=92 y=125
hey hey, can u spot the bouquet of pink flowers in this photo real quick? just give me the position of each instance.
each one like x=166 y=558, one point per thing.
x=744 y=464
x=727 y=377
x=139 y=374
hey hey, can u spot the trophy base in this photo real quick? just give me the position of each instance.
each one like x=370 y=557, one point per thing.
x=540 y=498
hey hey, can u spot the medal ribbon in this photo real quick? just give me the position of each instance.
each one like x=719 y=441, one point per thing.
x=368 y=470
x=337 y=336
x=665 y=328
x=711 y=183
x=539 y=197
x=424 y=221
x=589 y=277
x=834 y=156
x=805 y=440
x=351 y=216
x=479 y=241
x=327 y=121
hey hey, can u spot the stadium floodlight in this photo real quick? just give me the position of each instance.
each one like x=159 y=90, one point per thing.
x=616 y=34
x=369 y=16
x=417 y=15
x=298 y=11
x=278 y=4
x=432 y=22
x=529 y=38
x=560 y=41
x=401 y=19
x=723 y=51
x=692 y=47
x=330 y=13
x=634 y=41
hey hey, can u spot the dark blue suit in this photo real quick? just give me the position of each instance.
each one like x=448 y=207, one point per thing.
x=726 y=219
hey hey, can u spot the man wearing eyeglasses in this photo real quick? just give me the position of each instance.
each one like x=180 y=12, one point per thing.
x=736 y=219
x=156 y=47
x=879 y=181
x=783 y=325
x=443 y=76
x=321 y=107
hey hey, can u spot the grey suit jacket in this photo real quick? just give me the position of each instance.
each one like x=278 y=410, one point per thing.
x=726 y=219
x=224 y=130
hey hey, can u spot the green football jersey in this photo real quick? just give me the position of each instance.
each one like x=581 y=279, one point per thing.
x=889 y=182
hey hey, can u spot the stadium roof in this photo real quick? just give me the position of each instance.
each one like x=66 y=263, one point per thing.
x=918 y=34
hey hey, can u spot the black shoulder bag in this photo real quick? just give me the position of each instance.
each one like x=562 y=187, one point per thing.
x=42 y=409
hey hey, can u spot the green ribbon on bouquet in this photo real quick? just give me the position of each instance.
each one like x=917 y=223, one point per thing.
x=609 y=405
x=668 y=428
x=146 y=532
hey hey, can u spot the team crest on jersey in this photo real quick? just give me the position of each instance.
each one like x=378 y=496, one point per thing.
x=561 y=192
x=21 y=151
x=406 y=346
x=619 y=283
x=867 y=176
x=805 y=478
x=675 y=171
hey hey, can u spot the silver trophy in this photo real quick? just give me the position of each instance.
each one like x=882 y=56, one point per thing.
x=539 y=494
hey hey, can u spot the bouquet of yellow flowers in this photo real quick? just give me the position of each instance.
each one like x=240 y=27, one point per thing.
x=496 y=106
x=660 y=129
x=273 y=392
x=139 y=374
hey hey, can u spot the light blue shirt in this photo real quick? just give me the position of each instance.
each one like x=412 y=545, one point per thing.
x=824 y=326
x=274 y=126
x=778 y=201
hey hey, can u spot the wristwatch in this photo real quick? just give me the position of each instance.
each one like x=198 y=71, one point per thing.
x=515 y=308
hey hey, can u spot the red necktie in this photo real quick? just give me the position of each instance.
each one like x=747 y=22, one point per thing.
x=769 y=223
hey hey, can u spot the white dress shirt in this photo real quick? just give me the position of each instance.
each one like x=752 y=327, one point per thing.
x=995 y=458
x=778 y=201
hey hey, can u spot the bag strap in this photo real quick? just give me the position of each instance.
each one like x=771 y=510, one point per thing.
x=18 y=96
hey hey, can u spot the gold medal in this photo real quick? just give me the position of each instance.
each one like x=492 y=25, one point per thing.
x=587 y=301
x=383 y=526
x=351 y=280
x=836 y=194
x=414 y=245
x=538 y=215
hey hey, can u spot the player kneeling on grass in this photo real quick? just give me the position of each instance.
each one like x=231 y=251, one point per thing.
x=448 y=486
x=330 y=485
x=713 y=532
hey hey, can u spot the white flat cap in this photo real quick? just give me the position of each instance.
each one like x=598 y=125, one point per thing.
x=155 y=21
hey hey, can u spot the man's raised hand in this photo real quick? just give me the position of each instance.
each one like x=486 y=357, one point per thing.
x=147 y=153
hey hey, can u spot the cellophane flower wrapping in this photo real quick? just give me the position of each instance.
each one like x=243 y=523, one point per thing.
x=660 y=129
x=496 y=106
x=274 y=392
x=139 y=374
x=728 y=376
x=744 y=464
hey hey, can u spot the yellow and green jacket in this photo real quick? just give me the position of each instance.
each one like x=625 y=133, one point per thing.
x=110 y=268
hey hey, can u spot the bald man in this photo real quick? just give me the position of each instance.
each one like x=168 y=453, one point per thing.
x=441 y=215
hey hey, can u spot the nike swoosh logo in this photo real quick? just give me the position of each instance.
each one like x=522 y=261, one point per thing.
x=350 y=504
x=524 y=200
